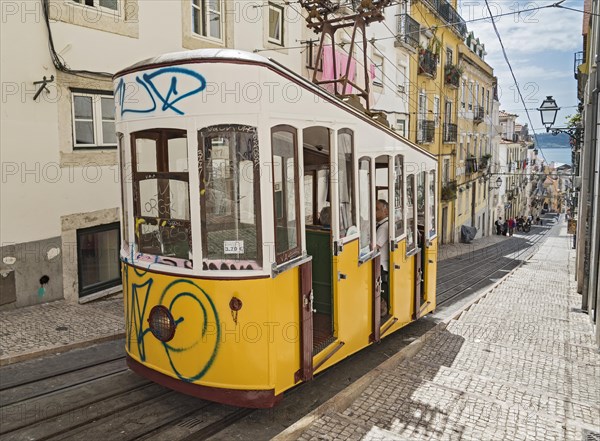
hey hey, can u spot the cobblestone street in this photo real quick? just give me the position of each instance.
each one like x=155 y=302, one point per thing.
x=520 y=364
x=55 y=327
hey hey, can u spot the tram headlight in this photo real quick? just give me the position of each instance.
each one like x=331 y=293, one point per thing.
x=161 y=322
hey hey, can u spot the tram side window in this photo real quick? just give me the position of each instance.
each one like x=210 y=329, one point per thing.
x=316 y=198
x=410 y=213
x=399 y=195
x=161 y=193
x=421 y=199
x=285 y=193
x=364 y=204
x=345 y=177
x=228 y=157
x=432 y=202
x=124 y=199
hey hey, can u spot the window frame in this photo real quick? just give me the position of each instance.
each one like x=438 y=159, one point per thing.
x=280 y=9
x=432 y=203
x=297 y=250
x=101 y=286
x=96 y=5
x=203 y=7
x=379 y=70
x=365 y=255
x=411 y=247
x=162 y=173
x=231 y=130
x=352 y=188
x=399 y=232
x=96 y=97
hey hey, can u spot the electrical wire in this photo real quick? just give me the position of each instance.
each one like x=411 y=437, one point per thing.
x=515 y=79
x=57 y=60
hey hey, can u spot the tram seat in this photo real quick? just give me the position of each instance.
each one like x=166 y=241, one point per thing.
x=319 y=247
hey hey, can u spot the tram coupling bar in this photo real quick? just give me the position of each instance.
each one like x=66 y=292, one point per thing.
x=342 y=276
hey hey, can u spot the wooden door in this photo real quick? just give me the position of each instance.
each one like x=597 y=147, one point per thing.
x=306 y=324
x=376 y=301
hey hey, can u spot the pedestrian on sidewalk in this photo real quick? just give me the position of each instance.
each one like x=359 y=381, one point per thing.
x=511 y=226
x=499 y=224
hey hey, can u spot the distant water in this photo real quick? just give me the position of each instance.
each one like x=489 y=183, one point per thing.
x=557 y=155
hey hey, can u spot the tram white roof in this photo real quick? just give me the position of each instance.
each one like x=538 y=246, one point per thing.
x=249 y=57
x=199 y=54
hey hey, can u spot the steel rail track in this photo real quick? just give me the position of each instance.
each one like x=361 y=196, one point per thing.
x=477 y=278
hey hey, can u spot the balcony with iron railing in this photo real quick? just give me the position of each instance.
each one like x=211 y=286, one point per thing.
x=450 y=133
x=408 y=30
x=471 y=165
x=478 y=113
x=447 y=13
x=427 y=63
x=425 y=131
x=449 y=191
x=484 y=161
x=452 y=74
x=578 y=60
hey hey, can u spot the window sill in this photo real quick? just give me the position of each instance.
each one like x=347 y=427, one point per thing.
x=413 y=252
x=278 y=269
x=77 y=148
x=82 y=157
x=367 y=257
x=100 y=294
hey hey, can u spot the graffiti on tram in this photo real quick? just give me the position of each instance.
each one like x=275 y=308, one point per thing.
x=191 y=309
x=162 y=87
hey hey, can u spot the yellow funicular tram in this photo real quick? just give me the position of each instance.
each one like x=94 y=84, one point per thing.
x=249 y=249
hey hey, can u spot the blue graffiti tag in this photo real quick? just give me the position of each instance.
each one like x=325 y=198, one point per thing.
x=138 y=295
x=136 y=316
x=168 y=99
x=170 y=348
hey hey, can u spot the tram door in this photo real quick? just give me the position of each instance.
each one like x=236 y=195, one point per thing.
x=317 y=217
x=413 y=251
x=420 y=256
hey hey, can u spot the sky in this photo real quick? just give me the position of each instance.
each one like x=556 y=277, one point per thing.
x=540 y=45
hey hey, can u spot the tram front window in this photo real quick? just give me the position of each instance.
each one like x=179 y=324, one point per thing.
x=161 y=193
x=229 y=197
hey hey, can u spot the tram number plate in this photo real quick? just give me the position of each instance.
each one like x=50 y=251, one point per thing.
x=233 y=247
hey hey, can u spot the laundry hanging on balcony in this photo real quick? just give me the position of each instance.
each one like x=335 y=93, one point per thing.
x=341 y=62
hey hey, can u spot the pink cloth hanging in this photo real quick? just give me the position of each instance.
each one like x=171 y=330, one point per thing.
x=327 y=63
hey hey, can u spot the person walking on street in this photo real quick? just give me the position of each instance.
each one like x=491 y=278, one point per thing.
x=499 y=223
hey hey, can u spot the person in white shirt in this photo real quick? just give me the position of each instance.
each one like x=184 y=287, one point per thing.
x=382 y=243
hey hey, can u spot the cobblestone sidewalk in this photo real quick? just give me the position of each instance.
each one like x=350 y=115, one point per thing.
x=55 y=327
x=521 y=364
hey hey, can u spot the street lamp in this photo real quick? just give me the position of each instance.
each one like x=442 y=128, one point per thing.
x=548 y=111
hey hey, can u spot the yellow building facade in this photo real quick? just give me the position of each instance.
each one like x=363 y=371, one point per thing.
x=475 y=133
x=451 y=107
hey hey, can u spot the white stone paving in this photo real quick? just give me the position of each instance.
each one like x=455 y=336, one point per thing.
x=522 y=364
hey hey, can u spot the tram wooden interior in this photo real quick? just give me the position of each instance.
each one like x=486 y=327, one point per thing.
x=249 y=252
